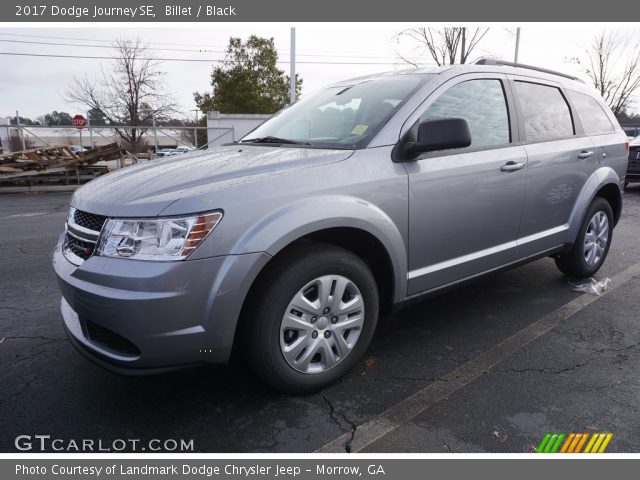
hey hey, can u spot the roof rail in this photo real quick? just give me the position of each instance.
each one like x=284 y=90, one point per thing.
x=491 y=61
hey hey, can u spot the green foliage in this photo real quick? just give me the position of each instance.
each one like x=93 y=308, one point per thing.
x=97 y=118
x=248 y=80
x=58 y=118
x=23 y=121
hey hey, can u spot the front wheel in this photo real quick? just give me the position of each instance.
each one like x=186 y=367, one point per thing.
x=592 y=245
x=313 y=317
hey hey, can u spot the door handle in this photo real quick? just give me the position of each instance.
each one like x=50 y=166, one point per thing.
x=512 y=166
x=585 y=154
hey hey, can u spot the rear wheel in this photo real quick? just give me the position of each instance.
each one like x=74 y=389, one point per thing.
x=312 y=319
x=592 y=245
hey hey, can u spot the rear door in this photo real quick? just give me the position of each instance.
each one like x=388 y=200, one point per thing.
x=560 y=159
x=599 y=125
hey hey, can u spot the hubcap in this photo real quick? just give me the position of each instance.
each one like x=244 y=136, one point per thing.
x=596 y=238
x=316 y=346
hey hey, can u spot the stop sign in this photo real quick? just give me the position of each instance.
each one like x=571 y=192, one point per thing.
x=79 y=121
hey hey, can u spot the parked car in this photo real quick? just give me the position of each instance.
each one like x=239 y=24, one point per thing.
x=631 y=131
x=633 y=169
x=78 y=149
x=165 y=152
x=184 y=149
x=287 y=246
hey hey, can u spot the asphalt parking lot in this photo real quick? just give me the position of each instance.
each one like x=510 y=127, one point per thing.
x=438 y=377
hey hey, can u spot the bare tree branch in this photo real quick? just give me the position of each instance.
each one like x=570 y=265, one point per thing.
x=444 y=46
x=128 y=91
x=612 y=64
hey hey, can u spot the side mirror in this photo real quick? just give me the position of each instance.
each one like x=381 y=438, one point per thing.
x=440 y=134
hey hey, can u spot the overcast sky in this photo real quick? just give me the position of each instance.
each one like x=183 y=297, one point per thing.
x=35 y=85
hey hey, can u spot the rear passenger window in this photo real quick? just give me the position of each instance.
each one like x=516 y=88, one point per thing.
x=545 y=111
x=482 y=103
x=592 y=116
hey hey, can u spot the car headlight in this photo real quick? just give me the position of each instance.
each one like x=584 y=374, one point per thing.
x=155 y=238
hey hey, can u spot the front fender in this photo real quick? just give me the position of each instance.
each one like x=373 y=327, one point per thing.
x=598 y=179
x=281 y=227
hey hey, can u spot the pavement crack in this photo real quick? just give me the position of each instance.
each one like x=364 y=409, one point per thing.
x=33 y=337
x=342 y=421
x=420 y=379
x=592 y=357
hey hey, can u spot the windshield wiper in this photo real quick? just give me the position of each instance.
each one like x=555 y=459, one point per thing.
x=271 y=139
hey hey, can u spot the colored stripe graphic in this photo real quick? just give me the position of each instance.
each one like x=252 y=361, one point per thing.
x=581 y=443
x=592 y=440
x=572 y=443
x=543 y=443
x=606 y=441
x=570 y=439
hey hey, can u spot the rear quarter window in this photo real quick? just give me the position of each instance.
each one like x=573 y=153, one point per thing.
x=545 y=112
x=592 y=116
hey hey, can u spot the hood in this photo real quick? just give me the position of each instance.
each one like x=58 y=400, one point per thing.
x=149 y=188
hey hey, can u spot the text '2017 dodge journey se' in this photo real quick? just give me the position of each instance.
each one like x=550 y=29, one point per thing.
x=287 y=245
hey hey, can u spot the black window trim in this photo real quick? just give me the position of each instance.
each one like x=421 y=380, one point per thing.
x=568 y=96
x=578 y=130
x=512 y=117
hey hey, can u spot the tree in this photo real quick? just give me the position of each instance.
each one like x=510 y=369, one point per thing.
x=57 y=118
x=445 y=46
x=248 y=80
x=97 y=118
x=23 y=121
x=127 y=93
x=188 y=136
x=612 y=62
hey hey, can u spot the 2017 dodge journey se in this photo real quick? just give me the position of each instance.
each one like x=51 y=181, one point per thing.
x=287 y=245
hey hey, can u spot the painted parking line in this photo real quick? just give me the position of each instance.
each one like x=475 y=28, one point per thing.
x=24 y=215
x=420 y=401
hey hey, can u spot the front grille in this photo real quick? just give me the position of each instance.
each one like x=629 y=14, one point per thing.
x=90 y=221
x=79 y=248
x=83 y=230
x=110 y=340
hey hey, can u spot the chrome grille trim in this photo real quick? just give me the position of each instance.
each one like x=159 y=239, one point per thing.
x=79 y=237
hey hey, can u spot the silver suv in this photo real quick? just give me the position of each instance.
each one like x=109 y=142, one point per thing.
x=286 y=246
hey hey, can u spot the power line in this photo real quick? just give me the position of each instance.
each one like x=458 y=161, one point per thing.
x=97 y=40
x=201 y=48
x=207 y=60
x=97 y=46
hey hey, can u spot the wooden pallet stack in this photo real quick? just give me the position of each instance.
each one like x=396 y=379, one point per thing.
x=56 y=163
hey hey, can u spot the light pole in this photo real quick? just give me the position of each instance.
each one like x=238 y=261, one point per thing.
x=195 y=129
x=292 y=61
x=515 y=59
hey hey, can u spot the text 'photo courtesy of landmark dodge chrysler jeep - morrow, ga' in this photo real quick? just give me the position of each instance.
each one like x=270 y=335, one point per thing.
x=286 y=246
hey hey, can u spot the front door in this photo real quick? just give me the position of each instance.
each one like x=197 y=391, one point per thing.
x=465 y=205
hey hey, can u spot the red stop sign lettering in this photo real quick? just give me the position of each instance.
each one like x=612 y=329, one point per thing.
x=79 y=121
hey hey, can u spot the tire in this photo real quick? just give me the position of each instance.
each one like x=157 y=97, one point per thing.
x=585 y=259
x=293 y=360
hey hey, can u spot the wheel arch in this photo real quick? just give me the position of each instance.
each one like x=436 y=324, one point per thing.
x=361 y=228
x=604 y=183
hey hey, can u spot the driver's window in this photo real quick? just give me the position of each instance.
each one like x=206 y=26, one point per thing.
x=482 y=103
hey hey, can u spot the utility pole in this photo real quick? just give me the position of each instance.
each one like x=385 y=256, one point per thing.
x=155 y=133
x=195 y=128
x=90 y=130
x=463 y=44
x=515 y=58
x=20 y=131
x=292 y=62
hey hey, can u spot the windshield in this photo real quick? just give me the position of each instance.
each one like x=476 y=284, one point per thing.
x=346 y=116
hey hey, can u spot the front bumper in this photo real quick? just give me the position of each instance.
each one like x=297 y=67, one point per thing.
x=136 y=316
